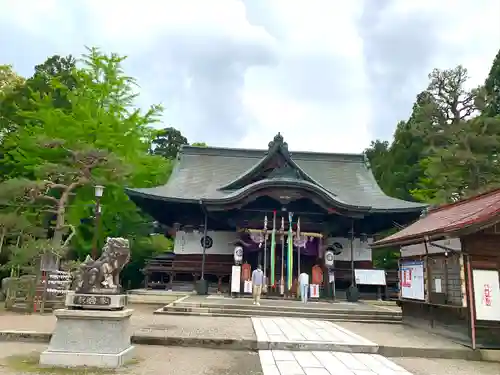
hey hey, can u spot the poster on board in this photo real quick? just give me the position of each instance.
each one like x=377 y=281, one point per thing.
x=369 y=277
x=411 y=280
x=486 y=294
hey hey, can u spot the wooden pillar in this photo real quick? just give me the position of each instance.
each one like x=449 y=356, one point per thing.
x=353 y=278
x=205 y=229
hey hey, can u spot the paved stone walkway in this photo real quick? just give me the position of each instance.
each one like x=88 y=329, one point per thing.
x=279 y=362
x=306 y=332
x=301 y=331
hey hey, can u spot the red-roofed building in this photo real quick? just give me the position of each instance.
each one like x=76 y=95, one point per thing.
x=449 y=270
x=467 y=216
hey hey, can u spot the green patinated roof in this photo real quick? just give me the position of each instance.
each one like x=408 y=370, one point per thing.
x=212 y=174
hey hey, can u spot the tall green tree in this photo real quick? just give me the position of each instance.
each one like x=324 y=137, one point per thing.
x=100 y=125
x=462 y=148
x=396 y=166
x=492 y=89
x=168 y=142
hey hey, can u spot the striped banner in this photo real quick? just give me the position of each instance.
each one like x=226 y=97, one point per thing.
x=289 y=258
x=273 y=250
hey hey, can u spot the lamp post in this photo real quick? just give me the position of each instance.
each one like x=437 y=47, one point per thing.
x=98 y=191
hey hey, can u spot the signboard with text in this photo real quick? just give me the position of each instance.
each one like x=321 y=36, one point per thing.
x=370 y=277
x=411 y=280
x=486 y=294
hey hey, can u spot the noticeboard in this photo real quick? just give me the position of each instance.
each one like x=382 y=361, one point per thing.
x=369 y=277
x=411 y=280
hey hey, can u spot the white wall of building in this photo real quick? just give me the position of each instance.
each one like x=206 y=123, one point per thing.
x=361 y=250
x=223 y=244
x=190 y=243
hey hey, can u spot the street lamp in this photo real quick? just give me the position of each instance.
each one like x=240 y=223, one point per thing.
x=98 y=192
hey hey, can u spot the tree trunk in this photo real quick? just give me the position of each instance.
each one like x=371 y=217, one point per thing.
x=57 y=239
x=2 y=238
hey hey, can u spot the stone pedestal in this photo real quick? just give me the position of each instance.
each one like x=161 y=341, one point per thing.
x=96 y=301
x=90 y=338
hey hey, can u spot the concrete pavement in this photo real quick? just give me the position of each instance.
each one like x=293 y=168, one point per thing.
x=238 y=333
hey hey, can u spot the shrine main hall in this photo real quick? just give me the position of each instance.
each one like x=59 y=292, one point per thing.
x=219 y=198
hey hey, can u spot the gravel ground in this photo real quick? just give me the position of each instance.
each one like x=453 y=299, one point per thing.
x=156 y=360
x=194 y=361
x=143 y=321
x=422 y=366
x=399 y=335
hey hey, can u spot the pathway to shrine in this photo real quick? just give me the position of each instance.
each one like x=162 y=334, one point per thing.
x=318 y=347
x=284 y=345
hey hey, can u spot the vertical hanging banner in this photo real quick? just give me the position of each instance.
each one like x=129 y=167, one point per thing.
x=298 y=246
x=266 y=283
x=289 y=258
x=273 y=250
x=282 y=273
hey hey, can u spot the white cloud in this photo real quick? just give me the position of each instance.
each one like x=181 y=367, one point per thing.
x=330 y=75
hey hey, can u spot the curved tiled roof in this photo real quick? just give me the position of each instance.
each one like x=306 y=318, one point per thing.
x=200 y=173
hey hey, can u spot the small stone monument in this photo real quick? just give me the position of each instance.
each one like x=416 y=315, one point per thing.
x=94 y=328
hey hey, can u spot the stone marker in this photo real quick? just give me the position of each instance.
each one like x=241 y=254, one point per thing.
x=94 y=328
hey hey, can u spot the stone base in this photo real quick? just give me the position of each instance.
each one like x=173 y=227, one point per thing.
x=61 y=359
x=89 y=338
x=96 y=301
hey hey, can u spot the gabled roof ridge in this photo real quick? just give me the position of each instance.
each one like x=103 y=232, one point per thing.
x=258 y=153
x=463 y=201
x=277 y=145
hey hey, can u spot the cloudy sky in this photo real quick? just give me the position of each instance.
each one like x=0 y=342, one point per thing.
x=330 y=75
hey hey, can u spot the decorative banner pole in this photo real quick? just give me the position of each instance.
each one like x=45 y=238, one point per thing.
x=282 y=285
x=273 y=250
x=289 y=257
x=265 y=250
x=299 y=243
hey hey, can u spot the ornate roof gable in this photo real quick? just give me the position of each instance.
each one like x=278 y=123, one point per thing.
x=276 y=163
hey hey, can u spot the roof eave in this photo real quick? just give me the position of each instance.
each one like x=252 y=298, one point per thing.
x=450 y=231
x=134 y=193
x=417 y=209
x=265 y=183
x=245 y=192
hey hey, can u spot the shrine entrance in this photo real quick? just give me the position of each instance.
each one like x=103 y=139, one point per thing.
x=283 y=264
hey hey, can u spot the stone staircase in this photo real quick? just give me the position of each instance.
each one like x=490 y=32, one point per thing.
x=337 y=312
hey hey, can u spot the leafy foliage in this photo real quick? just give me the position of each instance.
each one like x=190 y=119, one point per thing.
x=448 y=148
x=199 y=144
x=492 y=89
x=168 y=143
x=71 y=128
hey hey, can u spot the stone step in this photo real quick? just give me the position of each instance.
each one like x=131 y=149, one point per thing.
x=255 y=311
x=286 y=309
x=249 y=314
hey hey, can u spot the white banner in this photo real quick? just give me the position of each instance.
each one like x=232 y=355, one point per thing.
x=369 y=277
x=411 y=280
x=247 y=287
x=486 y=294
x=236 y=279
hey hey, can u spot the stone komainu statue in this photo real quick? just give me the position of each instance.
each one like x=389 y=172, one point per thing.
x=102 y=276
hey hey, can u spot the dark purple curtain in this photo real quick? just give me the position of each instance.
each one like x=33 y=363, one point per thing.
x=251 y=243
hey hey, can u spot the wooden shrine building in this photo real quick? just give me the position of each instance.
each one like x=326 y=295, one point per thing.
x=225 y=194
x=450 y=269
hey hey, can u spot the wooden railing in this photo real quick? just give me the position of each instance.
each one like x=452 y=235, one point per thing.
x=171 y=268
